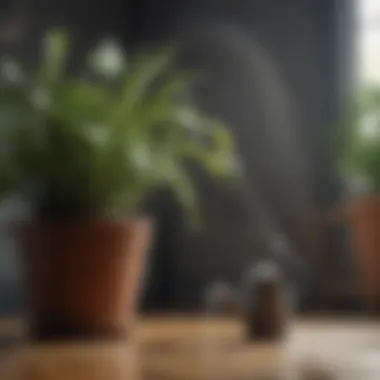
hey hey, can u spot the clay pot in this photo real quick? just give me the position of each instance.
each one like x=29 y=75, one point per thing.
x=364 y=222
x=82 y=278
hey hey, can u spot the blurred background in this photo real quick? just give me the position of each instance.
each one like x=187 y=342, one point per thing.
x=280 y=73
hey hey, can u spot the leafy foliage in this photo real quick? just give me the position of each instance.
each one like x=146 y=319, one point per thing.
x=360 y=158
x=96 y=144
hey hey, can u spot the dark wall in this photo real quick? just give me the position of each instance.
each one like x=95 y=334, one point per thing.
x=280 y=116
x=304 y=38
x=305 y=42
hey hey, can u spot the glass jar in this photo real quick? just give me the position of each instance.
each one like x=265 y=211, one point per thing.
x=266 y=302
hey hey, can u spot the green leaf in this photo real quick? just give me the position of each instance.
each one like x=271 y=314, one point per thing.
x=55 y=46
x=81 y=145
x=181 y=184
x=358 y=147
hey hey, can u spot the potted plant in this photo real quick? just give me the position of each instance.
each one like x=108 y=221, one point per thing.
x=85 y=150
x=361 y=167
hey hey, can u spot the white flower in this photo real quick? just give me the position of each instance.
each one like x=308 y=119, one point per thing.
x=108 y=59
x=41 y=98
x=11 y=71
x=98 y=134
x=370 y=127
x=140 y=157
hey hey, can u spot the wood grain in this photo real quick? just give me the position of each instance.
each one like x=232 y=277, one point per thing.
x=189 y=349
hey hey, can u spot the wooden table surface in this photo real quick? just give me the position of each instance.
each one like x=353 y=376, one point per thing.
x=197 y=348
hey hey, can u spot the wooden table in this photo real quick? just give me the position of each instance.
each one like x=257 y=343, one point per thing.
x=189 y=349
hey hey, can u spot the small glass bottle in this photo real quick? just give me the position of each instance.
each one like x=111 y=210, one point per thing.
x=266 y=302
x=221 y=298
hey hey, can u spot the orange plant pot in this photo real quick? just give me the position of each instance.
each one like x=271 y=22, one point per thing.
x=82 y=278
x=364 y=222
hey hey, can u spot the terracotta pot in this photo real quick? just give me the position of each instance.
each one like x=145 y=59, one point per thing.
x=364 y=221
x=82 y=278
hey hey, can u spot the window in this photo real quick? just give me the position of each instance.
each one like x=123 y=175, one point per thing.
x=369 y=40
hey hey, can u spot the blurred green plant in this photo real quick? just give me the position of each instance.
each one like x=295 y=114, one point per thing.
x=359 y=145
x=96 y=144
